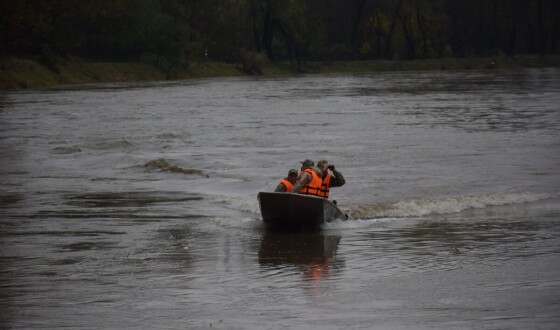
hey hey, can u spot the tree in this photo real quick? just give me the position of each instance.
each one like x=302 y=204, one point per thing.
x=174 y=31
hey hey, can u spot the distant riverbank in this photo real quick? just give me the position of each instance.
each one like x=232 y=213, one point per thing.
x=29 y=73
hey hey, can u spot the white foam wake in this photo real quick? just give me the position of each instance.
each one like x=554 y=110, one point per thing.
x=404 y=209
x=355 y=223
x=421 y=207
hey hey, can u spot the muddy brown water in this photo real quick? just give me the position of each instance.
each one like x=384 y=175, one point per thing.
x=134 y=205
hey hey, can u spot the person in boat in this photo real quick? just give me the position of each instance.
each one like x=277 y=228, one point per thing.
x=330 y=178
x=309 y=181
x=287 y=183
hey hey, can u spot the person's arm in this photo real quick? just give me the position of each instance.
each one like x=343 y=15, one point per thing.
x=337 y=180
x=303 y=180
x=280 y=188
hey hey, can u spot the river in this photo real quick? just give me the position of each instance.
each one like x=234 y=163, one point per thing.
x=133 y=206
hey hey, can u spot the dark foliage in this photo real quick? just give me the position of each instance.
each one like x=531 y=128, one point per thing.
x=169 y=33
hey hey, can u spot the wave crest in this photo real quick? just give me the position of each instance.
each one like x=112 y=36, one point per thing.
x=163 y=165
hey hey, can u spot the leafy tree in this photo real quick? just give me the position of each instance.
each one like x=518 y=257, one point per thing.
x=169 y=33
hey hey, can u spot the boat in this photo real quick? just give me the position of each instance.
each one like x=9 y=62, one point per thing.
x=287 y=210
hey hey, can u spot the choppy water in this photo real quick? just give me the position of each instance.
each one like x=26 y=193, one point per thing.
x=134 y=205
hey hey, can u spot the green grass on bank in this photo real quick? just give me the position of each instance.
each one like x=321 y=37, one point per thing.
x=29 y=73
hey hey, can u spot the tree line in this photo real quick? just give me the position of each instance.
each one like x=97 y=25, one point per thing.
x=174 y=32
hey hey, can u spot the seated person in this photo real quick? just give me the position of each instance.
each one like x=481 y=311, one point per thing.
x=309 y=181
x=287 y=183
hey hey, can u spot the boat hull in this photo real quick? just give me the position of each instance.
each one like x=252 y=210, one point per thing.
x=287 y=210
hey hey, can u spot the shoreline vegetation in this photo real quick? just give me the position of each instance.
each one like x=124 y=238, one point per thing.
x=51 y=43
x=23 y=73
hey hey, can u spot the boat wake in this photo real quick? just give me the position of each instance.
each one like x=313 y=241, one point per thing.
x=355 y=223
x=423 y=207
x=381 y=212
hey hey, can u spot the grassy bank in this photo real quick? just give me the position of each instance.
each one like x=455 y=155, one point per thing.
x=29 y=73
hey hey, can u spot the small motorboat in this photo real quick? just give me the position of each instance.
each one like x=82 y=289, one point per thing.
x=287 y=210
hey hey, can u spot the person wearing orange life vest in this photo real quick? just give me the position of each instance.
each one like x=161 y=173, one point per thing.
x=309 y=181
x=331 y=178
x=287 y=183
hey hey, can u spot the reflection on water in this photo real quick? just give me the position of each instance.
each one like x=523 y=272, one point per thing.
x=299 y=248
x=314 y=251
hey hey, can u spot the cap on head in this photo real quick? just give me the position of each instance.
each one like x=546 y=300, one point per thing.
x=322 y=163
x=292 y=171
x=308 y=163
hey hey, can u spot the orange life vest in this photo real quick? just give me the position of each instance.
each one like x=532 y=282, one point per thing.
x=326 y=186
x=313 y=187
x=287 y=184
